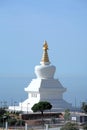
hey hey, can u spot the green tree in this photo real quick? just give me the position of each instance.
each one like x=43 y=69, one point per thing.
x=85 y=127
x=4 y=115
x=41 y=106
x=2 y=111
x=67 y=115
x=70 y=126
x=84 y=107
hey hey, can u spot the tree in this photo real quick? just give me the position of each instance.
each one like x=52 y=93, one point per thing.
x=67 y=115
x=70 y=126
x=2 y=111
x=85 y=127
x=41 y=106
x=84 y=107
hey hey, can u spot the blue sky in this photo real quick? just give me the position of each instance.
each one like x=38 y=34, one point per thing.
x=25 y=24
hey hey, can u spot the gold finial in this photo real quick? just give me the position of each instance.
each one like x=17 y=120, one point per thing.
x=45 y=46
x=45 y=58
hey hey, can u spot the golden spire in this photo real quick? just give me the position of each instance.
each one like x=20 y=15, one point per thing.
x=45 y=58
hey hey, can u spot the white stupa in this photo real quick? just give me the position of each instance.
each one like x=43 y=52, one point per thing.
x=44 y=88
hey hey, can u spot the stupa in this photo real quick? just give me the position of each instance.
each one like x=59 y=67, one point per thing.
x=44 y=87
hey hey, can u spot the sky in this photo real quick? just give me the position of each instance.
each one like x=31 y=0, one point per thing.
x=24 y=25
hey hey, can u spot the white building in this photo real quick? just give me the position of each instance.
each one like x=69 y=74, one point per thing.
x=44 y=88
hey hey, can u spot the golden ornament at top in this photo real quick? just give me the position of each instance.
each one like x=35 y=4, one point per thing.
x=45 y=58
x=45 y=46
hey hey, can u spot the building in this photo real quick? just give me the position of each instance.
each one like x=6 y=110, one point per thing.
x=44 y=87
x=79 y=117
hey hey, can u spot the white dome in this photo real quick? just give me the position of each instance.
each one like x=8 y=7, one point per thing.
x=45 y=71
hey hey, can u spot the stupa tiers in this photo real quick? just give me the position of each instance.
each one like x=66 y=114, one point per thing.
x=45 y=87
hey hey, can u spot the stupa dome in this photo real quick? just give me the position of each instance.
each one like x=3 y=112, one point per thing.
x=45 y=70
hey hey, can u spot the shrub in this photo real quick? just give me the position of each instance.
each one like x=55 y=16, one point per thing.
x=70 y=126
x=15 y=122
x=85 y=127
x=20 y=123
x=12 y=122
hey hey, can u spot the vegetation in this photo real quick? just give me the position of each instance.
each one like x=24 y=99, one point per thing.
x=70 y=126
x=85 y=127
x=11 y=117
x=41 y=107
x=67 y=115
x=84 y=107
x=2 y=111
